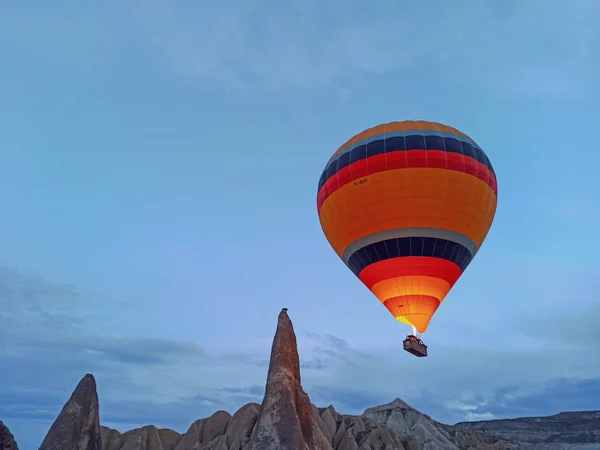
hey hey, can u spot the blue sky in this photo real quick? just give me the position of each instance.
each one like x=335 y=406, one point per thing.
x=158 y=172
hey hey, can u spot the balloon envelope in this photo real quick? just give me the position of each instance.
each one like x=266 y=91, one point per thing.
x=406 y=206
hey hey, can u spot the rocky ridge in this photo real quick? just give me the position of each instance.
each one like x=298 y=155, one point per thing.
x=567 y=427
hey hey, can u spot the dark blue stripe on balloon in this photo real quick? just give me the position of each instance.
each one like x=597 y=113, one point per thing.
x=404 y=143
x=410 y=246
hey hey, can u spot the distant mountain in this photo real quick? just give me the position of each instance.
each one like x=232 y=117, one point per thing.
x=287 y=420
x=566 y=427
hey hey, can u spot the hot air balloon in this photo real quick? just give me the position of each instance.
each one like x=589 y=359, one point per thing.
x=406 y=206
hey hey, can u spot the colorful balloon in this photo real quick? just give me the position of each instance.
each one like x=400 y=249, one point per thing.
x=406 y=206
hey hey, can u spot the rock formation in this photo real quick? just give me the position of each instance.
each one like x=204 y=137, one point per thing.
x=209 y=432
x=566 y=427
x=150 y=438
x=7 y=440
x=395 y=426
x=398 y=426
x=111 y=439
x=78 y=424
x=286 y=420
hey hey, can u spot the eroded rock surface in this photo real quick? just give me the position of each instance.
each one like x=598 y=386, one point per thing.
x=149 y=438
x=286 y=420
x=111 y=439
x=77 y=427
x=417 y=430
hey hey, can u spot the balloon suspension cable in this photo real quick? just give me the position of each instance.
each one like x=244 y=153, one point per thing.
x=414 y=330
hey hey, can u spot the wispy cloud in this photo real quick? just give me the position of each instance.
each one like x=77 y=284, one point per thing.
x=537 y=48
x=321 y=351
x=270 y=45
x=547 y=356
x=47 y=333
x=559 y=395
x=540 y=48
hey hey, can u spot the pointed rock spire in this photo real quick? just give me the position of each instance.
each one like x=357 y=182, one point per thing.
x=286 y=420
x=77 y=427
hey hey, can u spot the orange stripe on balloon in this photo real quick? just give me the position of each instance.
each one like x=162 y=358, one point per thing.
x=430 y=198
x=425 y=266
x=411 y=285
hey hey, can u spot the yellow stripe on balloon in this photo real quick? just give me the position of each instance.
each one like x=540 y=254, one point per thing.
x=403 y=320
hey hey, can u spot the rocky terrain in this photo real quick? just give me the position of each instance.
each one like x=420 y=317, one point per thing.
x=286 y=420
